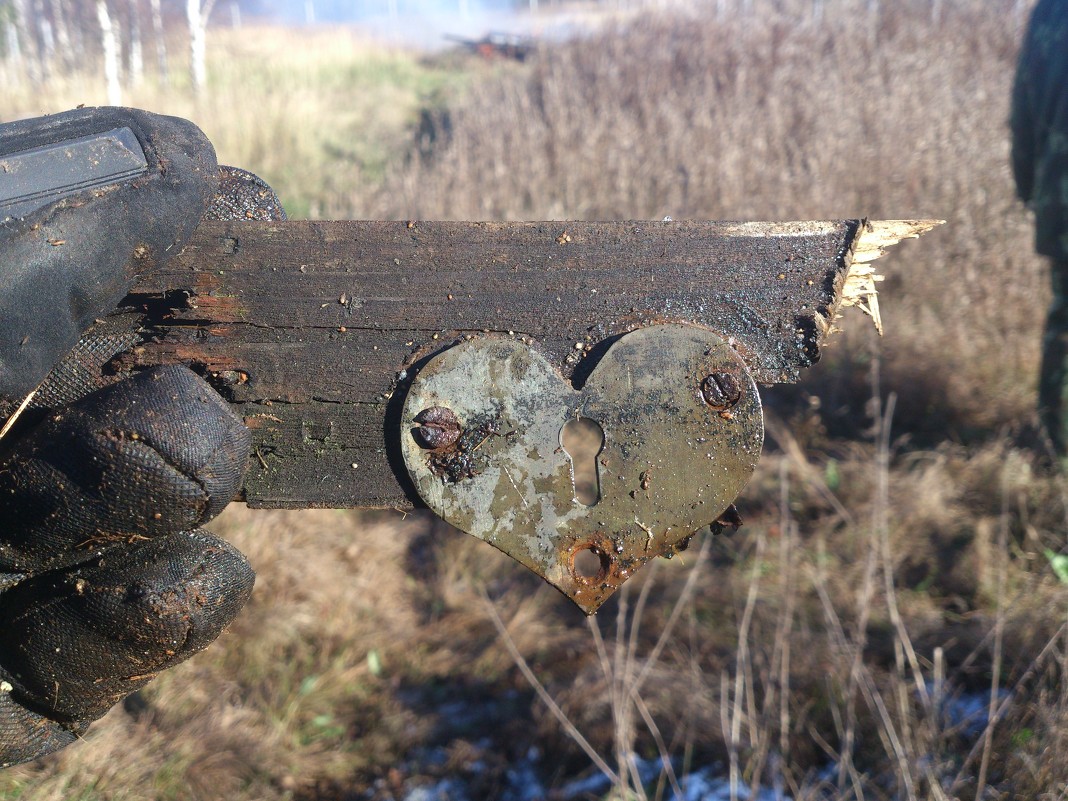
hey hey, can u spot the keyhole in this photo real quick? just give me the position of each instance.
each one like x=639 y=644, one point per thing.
x=582 y=439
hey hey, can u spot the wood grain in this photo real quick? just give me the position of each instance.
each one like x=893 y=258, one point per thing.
x=313 y=330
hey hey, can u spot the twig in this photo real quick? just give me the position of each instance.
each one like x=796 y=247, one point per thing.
x=742 y=686
x=999 y=627
x=543 y=694
x=624 y=728
x=639 y=610
x=616 y=702
x=680 y=604
x=775 y=429
x=784 y=627
x=837 y=632
x=882 y=507
x=602 y=653
x=856 y=669
x=725 y=727
x=17 y=413
x=665 y=758
x=1006 y=702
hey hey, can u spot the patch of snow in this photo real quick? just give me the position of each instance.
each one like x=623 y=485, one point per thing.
x=523 y=783
x=596 y=784
x=445 y=790
x=969 y=713
x=706 y=785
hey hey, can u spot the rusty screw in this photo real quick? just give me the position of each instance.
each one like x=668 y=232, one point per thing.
x=438 y=428
x=721 y=390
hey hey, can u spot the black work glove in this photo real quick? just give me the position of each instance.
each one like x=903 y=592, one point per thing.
x=105 y=578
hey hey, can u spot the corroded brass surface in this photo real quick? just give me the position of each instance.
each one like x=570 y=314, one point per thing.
x=671 y=462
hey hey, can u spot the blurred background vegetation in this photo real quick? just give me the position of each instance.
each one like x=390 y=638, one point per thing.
x=890 y=621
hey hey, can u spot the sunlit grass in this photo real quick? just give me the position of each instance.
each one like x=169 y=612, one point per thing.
x=317 y=113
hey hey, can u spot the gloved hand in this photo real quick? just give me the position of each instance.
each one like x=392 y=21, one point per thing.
x=105 y=578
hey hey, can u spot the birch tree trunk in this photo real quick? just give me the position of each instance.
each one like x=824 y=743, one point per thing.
x=62 y=29
x=27 y=41
x=161 y=43
x=135 y=60
x=12 y=51
x=42 y=31
x=47 y=50
x=197 y=17
x=109 y=42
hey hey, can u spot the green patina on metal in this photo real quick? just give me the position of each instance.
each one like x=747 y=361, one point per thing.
x=670 y=464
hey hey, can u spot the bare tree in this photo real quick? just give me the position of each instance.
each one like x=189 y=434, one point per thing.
x=28 y=50
x=109 y=42
x=161 y=43
x=42 y=30
x=135 y=61
x=12 y=50
x=197 y=13
x=64 y=46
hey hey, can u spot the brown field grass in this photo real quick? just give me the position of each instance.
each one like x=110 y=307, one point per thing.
x=894 y=552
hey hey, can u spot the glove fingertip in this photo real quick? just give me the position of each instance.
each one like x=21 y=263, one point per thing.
x=119 y=621
x=26 y=735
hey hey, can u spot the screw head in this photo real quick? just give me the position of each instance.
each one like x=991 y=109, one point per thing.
x=721 y=390
x=438 y=428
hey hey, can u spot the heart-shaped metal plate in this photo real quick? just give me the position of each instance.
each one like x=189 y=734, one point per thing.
x=482 y=430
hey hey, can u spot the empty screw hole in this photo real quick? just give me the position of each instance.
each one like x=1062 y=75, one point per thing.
x=589 y=565
x=582 y=439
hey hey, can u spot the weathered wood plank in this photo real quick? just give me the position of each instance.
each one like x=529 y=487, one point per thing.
x=314 y=329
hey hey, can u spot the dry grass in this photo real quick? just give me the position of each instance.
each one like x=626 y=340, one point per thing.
x=893 y=553
x=691 y=117
x=316 y=114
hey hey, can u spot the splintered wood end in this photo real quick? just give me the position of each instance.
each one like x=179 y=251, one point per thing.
x=860 y=285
